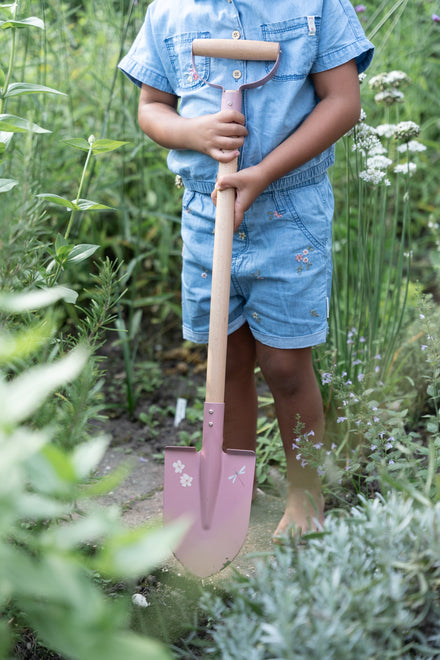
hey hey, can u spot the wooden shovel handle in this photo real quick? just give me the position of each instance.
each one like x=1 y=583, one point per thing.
x=221 y=280
x=236 y=49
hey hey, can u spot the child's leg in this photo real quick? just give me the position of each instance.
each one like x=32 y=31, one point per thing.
x=240 y=426
x=291 y=378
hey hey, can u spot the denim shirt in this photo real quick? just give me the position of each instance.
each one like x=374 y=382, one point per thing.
x=314 y=36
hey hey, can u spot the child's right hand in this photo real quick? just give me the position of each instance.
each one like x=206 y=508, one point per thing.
x=219 y=135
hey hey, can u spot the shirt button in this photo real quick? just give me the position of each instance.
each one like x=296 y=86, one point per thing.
x=236 y=74
x=236 y=34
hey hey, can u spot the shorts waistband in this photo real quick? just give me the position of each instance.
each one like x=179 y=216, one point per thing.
x=295 y=179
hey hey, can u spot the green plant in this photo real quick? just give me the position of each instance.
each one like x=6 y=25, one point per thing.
x=53 y=535
x=367 y=587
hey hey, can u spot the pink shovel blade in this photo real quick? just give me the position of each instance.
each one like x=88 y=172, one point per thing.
x=213 y=489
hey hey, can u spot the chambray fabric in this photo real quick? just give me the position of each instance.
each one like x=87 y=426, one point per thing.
x=281 y=263
x=315 y=36
x=281 y=266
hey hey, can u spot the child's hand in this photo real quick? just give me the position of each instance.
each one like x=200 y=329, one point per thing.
x=219 y=135
x=248 y=183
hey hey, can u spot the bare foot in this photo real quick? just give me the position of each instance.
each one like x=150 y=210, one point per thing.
x=304 y=513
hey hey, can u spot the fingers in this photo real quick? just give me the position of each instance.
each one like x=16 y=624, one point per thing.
x=225 y=156
x=230 y=129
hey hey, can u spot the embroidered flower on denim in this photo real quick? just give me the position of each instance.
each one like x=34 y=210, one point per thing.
x=192 y=74
x=204 y=275
x=275 y=214
x=258 y=275
x=303 y=260
x=256 y=317
x=242 y=235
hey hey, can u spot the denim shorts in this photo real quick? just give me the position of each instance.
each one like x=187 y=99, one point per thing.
x=281 y=266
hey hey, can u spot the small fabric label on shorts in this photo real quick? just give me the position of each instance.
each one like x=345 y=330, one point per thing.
x=312 y=25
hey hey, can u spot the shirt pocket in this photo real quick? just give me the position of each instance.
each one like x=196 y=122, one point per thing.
x=180 y=54
x=298 y=38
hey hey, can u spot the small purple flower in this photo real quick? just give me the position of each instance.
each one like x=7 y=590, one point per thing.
x=341 y=419
x=359 y=9
x=435 y=18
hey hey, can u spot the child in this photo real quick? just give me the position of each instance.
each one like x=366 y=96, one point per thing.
x=281 y=264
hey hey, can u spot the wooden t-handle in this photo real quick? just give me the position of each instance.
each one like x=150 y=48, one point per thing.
x=236 y=49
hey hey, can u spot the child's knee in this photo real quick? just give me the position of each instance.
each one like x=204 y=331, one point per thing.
x=287 y=371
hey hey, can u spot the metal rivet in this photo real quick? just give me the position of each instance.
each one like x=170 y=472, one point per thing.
x=211 y=412
x=211 y=424
x=230 y=103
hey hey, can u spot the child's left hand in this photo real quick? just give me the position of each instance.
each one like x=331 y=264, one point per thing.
x=248 y=183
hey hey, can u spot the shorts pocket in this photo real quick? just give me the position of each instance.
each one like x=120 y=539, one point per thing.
x=310 y=209
x=298 y=38
x=179 y=52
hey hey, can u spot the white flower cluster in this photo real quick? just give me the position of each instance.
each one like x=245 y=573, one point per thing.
x=412 y=146
x=374 y=176
x=367 y=140
x=405 y=168
x=390 y=79
x=406 y=130
x=389 y=96
x=388 y=84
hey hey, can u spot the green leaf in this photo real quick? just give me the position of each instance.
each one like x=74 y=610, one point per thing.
x=7 y=184
x=25 y=393
x=78 y=143
x=98 y=146
x=33 y=506
x=32 y=21
x=61 y=201
x=88 y=205
x=81 y=252
x=23 y=343
x=13 y=124
x=136 y=551
x=87 y=456
x=60 y=241
x=5 y=139
x=15 y=89
x=63 y=252
x=28 y=301
x=103 y=146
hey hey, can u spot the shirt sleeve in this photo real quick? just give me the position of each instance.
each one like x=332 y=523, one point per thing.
x=341 y=38
x=143 y=63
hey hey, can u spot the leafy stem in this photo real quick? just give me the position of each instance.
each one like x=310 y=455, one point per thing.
x=81 y=183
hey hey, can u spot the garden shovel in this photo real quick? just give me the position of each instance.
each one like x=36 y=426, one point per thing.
x=213 y=488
